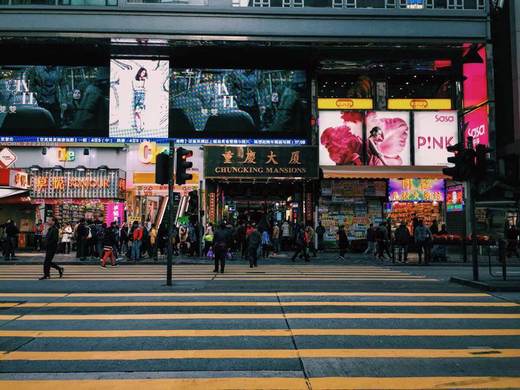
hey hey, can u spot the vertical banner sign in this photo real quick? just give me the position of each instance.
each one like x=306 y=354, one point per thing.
x=309 y=209
x=477 y=125
x=434 y=132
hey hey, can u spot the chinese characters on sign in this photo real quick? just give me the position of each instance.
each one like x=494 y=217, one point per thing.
x=260 y=161
x=416 y=190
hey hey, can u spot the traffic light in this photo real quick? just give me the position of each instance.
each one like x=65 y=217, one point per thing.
x=455 y=171
x=182 y=165
x=162 y=168
x=484 y=166
x=193 y=202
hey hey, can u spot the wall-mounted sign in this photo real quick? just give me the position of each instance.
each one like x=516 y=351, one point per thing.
x=345 y=104
x=65 y=154
x=416 y=190
x=388 y=138
x=148 y=151
x=260 y=161
x=419 y=104
x=7 y=158
x=18 y=179
x=72 y=183
x=434 y=132
x=477 y=125
x=455 y=198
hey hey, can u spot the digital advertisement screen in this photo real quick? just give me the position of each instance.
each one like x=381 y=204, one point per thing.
x=53 y=100
x=416 y=190
x=215 y=102
x=455 y=198
x=341 y=138
x=477 y=125
x=139 y=98
x=388 y=138
x=433 y=133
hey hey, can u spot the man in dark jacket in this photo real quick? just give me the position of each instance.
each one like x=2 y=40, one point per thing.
x=221 y=239
x=402 y=240
x=51 y=240
x=253 y=243
x=301 y=245
x=82 y=234
x=11 y=232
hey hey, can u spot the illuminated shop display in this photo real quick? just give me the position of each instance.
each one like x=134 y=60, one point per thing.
x=433 y=133
x=416 y=190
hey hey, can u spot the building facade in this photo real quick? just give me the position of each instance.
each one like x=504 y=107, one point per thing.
x=339 y=110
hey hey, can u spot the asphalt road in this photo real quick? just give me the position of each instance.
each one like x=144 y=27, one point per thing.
x=279 y=326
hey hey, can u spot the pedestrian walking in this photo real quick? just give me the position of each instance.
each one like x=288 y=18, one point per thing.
x=38 y=235
x=311 y=241
x=320 y=232
x=51 y=246
x=254 y=240
x=266 y=244
x=342 y=239
x=382 y=240
x=109 y=241
x=300 y=243
x=371 y=240
x=66 y=238
x=423 y=239
x=222 y=240
x=137 y=237
x=512 y=241
x=286 y=236
x=208 y=238
x=276 y=238
x=82 y=236
x=11 y=233
x=402 y=240
x=153 y=242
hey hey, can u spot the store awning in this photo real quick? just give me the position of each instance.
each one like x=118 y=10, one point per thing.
x=382 y=172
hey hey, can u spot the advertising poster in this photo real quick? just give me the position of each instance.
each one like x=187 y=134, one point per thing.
x=477 y=125
x=210 y=102
x=434 y=132
x=341 y=138
x=54 y=101
x=388 y=138
x=416 y=190
x=455 y=198
x=139 y=98
x=475 y=76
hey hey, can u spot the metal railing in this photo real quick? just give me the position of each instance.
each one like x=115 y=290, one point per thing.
x=345 y=4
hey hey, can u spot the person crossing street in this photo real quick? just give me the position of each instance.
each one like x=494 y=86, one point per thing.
x=51 y=240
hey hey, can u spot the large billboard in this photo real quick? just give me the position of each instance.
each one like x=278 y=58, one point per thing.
x=433 y=133
x=341 y=138
x=226 y=102
x=388 y=138
x=139 y=98
x=53 y=100
x=476 y=124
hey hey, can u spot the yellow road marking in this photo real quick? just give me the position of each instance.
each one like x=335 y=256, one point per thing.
x=254 y=304
x=4 y=317
x=258 y=333
x=329 y=383
x=219 y=316
x=235 y=279
x=260 y=354
x=248 y=294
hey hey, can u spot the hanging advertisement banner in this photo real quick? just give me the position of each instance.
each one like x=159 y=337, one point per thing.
x=341 y=138
x=477 y=125
x=434 y=132
x=419 y=104
x=455 y=198
x=345 y=104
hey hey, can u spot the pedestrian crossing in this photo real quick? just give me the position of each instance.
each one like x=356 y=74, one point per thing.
x=259 y=340
x=234 y=272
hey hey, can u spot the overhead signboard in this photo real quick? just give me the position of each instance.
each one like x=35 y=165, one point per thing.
x=260 y=162
x=345 y=104
x=419 y=104
x=7 y=158
x=434 y=132
x=416 y=190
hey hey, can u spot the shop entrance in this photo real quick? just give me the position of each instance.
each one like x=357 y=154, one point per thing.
x=269 y=201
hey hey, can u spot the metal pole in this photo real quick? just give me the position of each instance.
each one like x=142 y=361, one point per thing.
x=171 y=216
x=473 y=222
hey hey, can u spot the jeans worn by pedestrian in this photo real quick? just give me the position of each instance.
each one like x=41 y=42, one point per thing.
x=136 y=250
x=220 y=258
x=402 y=250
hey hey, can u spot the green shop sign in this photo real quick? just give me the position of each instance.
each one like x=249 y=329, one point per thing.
x=260 y=161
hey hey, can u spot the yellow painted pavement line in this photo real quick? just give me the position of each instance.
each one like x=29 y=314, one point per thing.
x=275 y=383
x=409 y=383
x=251 y=316
x=232 y=279
x=246 y=294
x=260 y=354
x=261 y=303
x=4 y=317
x=258 y=333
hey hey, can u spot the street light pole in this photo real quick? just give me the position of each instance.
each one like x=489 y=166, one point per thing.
x=171 y=216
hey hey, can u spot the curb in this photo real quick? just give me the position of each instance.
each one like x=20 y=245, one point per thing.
x=498 y=286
